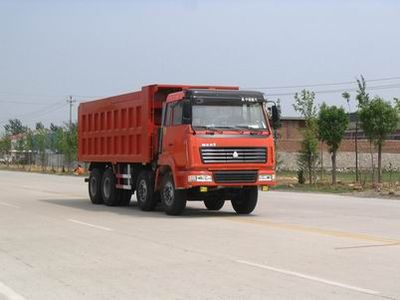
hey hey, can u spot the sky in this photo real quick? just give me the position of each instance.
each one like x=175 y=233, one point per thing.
x=90 y=49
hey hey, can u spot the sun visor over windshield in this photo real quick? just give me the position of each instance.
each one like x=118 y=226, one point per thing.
x=221 y=97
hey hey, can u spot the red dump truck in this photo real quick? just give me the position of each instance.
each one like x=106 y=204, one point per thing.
x=174 y=143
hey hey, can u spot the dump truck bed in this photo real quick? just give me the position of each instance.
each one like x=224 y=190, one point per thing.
x=123 y=128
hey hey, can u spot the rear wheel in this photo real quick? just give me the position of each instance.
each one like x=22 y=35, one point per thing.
x=108 y=189
x=95 y=186
x=245 y=201
x=173 y=200
x=146 y=198
x=214 y=203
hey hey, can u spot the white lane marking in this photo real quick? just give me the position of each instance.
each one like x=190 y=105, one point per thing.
x=90 y=225
x=9 y=293
x=313 y=278
x=9 y=205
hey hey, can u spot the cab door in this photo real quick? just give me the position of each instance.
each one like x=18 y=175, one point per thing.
x=174 y=134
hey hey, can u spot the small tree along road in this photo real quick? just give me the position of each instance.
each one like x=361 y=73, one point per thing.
x=305 y=105
x=332 y=124
x=378 y=119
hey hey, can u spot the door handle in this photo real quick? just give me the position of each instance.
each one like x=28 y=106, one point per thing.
x=170 y=144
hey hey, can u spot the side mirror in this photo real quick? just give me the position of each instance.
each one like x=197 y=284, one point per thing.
x=186 y=112
x=275 y=116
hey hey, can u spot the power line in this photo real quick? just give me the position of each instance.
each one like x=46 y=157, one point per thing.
x=49 y=111
x=321 y=84
x=382 y=87
x=24 y=102
x=24 y=96
x=30 y=95
x=38 y=113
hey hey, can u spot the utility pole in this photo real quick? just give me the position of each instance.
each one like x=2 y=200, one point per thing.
x=71 y=103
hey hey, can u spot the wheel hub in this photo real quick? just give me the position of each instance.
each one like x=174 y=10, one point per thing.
x=142 y=191
x=168 y=193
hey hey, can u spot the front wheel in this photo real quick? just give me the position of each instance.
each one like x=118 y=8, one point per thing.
x=173 y=200
x=245 y=201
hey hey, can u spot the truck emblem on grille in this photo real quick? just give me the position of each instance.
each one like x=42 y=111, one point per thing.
x=235 y=154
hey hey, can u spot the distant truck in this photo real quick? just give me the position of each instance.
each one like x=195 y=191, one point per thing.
x=173 y=143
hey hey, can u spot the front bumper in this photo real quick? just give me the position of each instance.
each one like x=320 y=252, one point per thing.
x=188 y=179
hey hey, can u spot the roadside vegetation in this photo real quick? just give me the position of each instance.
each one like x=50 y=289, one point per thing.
x=52 y=149
x=389 y=187
x=376 y=117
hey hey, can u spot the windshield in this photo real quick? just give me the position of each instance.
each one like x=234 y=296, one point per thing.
x=247 y=115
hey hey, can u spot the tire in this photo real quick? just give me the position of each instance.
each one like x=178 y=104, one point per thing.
x=146 y=198
x=94 y=186
x=214 y=203
x=245 y=201
x=108 y=189
x=173 y=200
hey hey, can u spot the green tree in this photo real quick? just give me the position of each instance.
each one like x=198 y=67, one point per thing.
x=346 y=96
x=308 y=156
x=55 y=139
x=20 y=149
x=304 y=104
x=39 y=126
x=362 y=95
x=307 y=160
x=397 y=103
x=5 y=146
x=14 y=127
x=378 y=120
x=29 y=146
x=332 y=125
x=363 y=99
x=70 y=143
x=40 y=142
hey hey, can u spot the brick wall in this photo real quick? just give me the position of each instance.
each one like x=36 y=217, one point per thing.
x=346 y=146
x=289 y=144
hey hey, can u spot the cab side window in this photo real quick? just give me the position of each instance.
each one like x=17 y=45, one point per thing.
x=173 y=114
x=177 y=113
x=168 y=114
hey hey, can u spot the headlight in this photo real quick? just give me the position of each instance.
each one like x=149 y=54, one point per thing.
x=199 y=178
x=266 y=177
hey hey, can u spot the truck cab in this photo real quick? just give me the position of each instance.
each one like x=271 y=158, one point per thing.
x=215 y=145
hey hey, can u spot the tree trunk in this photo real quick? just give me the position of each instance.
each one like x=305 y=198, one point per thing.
x=356 y=149
x=333 y=167
x=372 y=163
x=379 y=161
x=322 y=160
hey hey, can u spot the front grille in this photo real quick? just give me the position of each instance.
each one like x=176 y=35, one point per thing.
x=233 y=155
x=235 y=176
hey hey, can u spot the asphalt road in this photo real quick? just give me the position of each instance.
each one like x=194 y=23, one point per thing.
x=54 y=244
